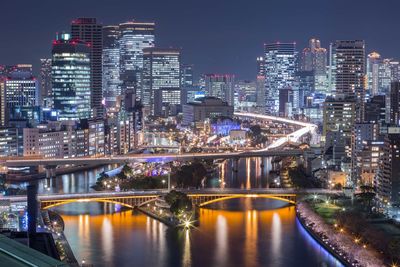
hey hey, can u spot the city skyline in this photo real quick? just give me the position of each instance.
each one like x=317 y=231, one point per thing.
x=203 y=39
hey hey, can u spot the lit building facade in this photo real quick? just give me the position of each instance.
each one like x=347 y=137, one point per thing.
x=111 y=67
x=161 y=69
x=45 y=82
x=220 y=86
x=134 y=37
x=280 y=68
x=348 y=61
x=71 y=78
x=388 y=178
x=206 y=108
x=91 y=32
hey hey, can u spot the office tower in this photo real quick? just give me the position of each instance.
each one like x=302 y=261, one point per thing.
x=375 y=110
x=348 y=72
x=260 y=85
x=205 y=108
x=366 y=148
x=280 y=68
x=285 y=102
x=394 y=102
x=168 y=102
x=373 y=64
x=388 y=178
x=260 y=66
x=134 y=37
x=45 y=81
x=111 y=70
x=338 y=122
x=303 y=86
x=187 y=75
x=221 y=86
x=20 y=90
x=314 y=58
x=71 y=78
x=161 y=69
x=91 y=32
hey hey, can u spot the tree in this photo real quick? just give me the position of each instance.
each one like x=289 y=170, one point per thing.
x=179 y=202
x=366 y=196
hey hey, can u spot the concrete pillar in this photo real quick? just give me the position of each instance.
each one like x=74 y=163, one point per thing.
x=235 y=168
x=32 y=213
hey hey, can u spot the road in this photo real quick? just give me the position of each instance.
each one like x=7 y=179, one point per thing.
x=270 y=150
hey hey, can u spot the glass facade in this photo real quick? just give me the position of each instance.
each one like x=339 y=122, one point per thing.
x=71 y=78
x=111 y=61
x=134 y=37
x=280 y=68
x=161 y=69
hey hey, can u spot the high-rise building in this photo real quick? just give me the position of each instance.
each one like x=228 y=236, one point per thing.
x=260 y=66
x=314 y=58
x=71 y=78
x=111 y=70
x=338 y=122
x=280 y=68
x=388 y=178
x=349 y=72
x=20 y=89
x=375 y=110
x=134 y=37
x=45 y=81
x=394 y=108
x=373 y=62
x=91 y=32
x=161 y=69
x=187 y=75
x=221 y=86
x=285 y=102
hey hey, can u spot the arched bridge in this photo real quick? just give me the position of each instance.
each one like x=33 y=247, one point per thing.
x=137 y=199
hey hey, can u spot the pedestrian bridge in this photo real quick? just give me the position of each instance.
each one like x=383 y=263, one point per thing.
x=136 y=199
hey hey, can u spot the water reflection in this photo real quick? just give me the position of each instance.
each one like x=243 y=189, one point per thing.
x=247 y=232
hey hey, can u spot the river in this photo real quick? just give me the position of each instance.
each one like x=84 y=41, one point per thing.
x=238 y=232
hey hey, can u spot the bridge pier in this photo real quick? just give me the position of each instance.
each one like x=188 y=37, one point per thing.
x=235 y=168
x=50 y=173
x=32 y=212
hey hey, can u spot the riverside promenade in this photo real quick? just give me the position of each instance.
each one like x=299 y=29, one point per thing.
x=349 y=251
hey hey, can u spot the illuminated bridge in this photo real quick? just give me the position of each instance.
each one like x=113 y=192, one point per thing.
x=152 y=157
x=200 y=198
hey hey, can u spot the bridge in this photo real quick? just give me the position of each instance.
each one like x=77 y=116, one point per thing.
x=132 y=199
x=271 y=150
x=152 y=157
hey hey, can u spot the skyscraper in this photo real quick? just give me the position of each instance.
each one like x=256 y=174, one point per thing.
x=89 y=31
x=161 y=69
x=134 y=37
x=394 y=108
x=45 y=80
x=221 y=86
x=20 y=89
x=187 y=75
x=348 y=62
x=314 y=58
x=388 y=178
x=260 y=66
x=280 y=68
x=71 y=78
x=373 y=63
x=111 y=67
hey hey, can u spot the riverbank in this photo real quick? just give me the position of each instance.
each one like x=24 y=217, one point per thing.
x=349 y=251
x=42 y=175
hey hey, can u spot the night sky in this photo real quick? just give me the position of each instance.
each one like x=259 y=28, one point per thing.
x=218 y=36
